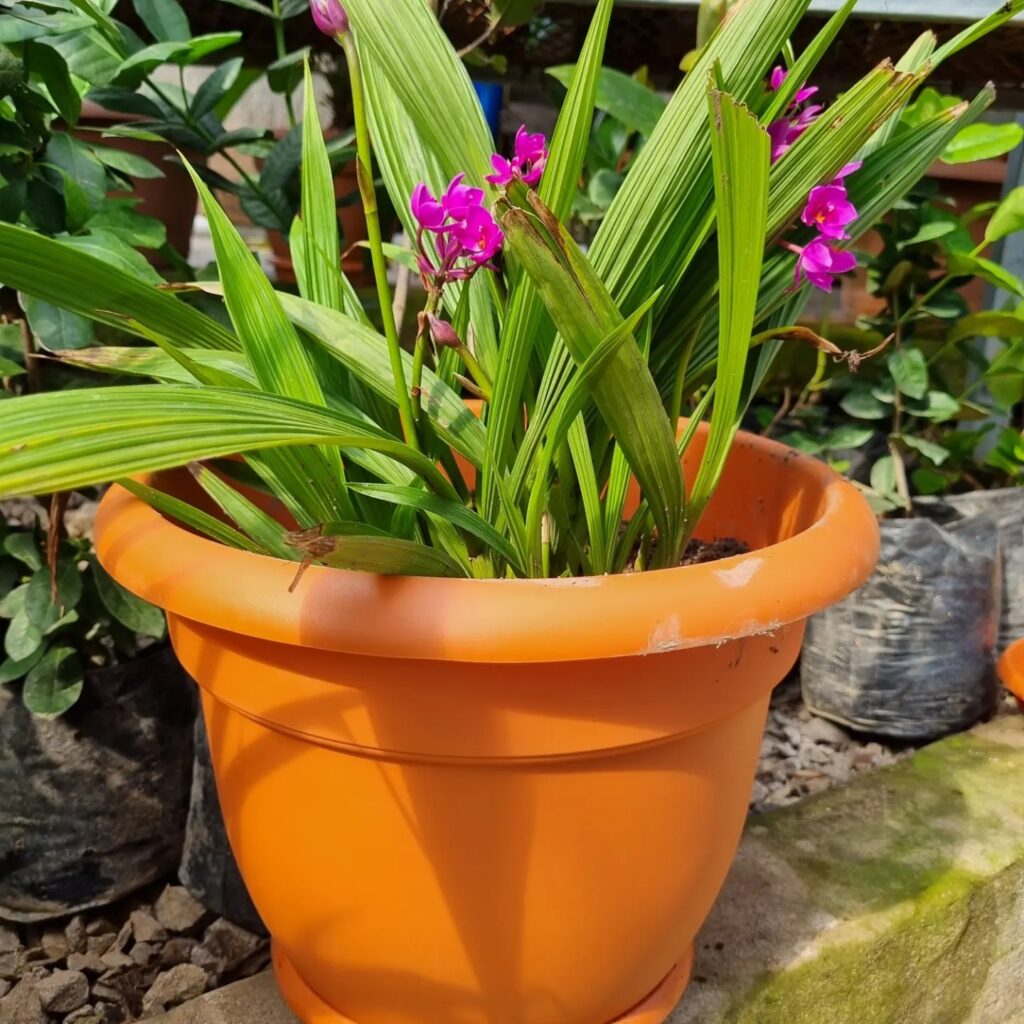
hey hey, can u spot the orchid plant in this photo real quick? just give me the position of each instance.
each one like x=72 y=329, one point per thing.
x=748 y=193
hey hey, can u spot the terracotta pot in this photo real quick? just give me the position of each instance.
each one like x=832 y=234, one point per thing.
x=1011 y=670
x=352 y=221
x=495 y=802
x=172 y=199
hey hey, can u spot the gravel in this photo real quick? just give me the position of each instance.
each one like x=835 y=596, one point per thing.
x=123 y=963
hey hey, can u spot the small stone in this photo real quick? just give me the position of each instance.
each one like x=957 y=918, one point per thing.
x=5 y=987
x=212 y=965
x=229 y=943
x=100 y=926
x=97 y=945
x=10 y=965
x=821 y=730
x=177 y=951
x=760 y=793
x=55 y=944
x=63 y=991
x=146 y=928
x=259 y=961
x=123 y=937
x=173 y=987
x=75 y=934
x=178 y=910
x=22 y=1005
x=87 y=1014
x=9 y=941
x=115 y=960
x=90 y=963
x=143 y=953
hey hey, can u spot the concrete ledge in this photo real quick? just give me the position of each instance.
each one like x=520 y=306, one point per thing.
x=898 y=899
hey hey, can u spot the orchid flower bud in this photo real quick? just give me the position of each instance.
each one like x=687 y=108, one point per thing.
x=330 y=16
x=443 y=333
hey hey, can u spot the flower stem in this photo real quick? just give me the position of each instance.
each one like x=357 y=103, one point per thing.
x=477 y=372
x=419 y=352
x=364 y=165
x=282 y=50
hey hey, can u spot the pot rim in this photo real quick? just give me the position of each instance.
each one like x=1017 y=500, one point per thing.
x=500 y=621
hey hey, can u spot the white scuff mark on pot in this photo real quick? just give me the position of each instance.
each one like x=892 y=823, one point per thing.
x=666 y=636
x=740 y=575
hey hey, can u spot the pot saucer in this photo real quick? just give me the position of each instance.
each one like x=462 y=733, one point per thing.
x=311 y=1009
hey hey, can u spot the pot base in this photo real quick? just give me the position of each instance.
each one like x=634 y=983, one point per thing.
x=311 y=1009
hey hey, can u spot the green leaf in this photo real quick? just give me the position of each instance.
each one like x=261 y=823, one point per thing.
x=848 y=436
x=263 y=528
x=626 y=99
x=285 y=74
x=56 y=328
x=860 y=403
x=79 y=162
x=53 y=69
x=134 y=69
x=940 y=406
x=23 y=637
x=39 y=605
x=986 y=325
x=71 y=439
x=319 y=281
x=883 y=476
x=165 y=19
x=10 y=369
x=135 y=229
x=274 y=350
x=132 y=612
x=54 y=684
x=741 y=155
x=909 y=371
x=525 y=318
x=929 y=481
x=929 y=233
x=928 y=449
x=215 y=87
x=363 y=351
x=11 y=670
x=41 y=267
x=1008 y=218
x=388 y=556
x=132 y=164
x=24 y=548
x=114 y=251
x=453 y=512
x=983 y=142
x=251 y=5
x=964 y=263
x=13 y=601
x=514 y=12
x=626 y=395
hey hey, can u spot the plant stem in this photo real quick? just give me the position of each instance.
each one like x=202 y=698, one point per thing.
x=282 y=51
x=364 y=171
x=478 y=373
x=419 y=352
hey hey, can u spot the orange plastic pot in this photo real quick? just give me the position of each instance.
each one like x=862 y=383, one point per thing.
x=495 y=802
x=1011 y=670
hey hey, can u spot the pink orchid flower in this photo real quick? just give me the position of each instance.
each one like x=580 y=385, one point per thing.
x=479 y=236
x=428 y=210
x=828 y=211
x=528 y=164
x=818 y=262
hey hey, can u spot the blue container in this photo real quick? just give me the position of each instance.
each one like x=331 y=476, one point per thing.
x=492 y=98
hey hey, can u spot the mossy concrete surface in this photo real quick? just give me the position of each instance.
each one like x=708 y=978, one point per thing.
x=898 y=899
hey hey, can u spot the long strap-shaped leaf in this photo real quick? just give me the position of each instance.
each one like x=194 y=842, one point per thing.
x=654 y=215
x=363 y=351
x=320 y=280
x=402 y=42
x=64 y=440
x=584 y=314
x=526 y=310
x=43 y=268
x=741 y=151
